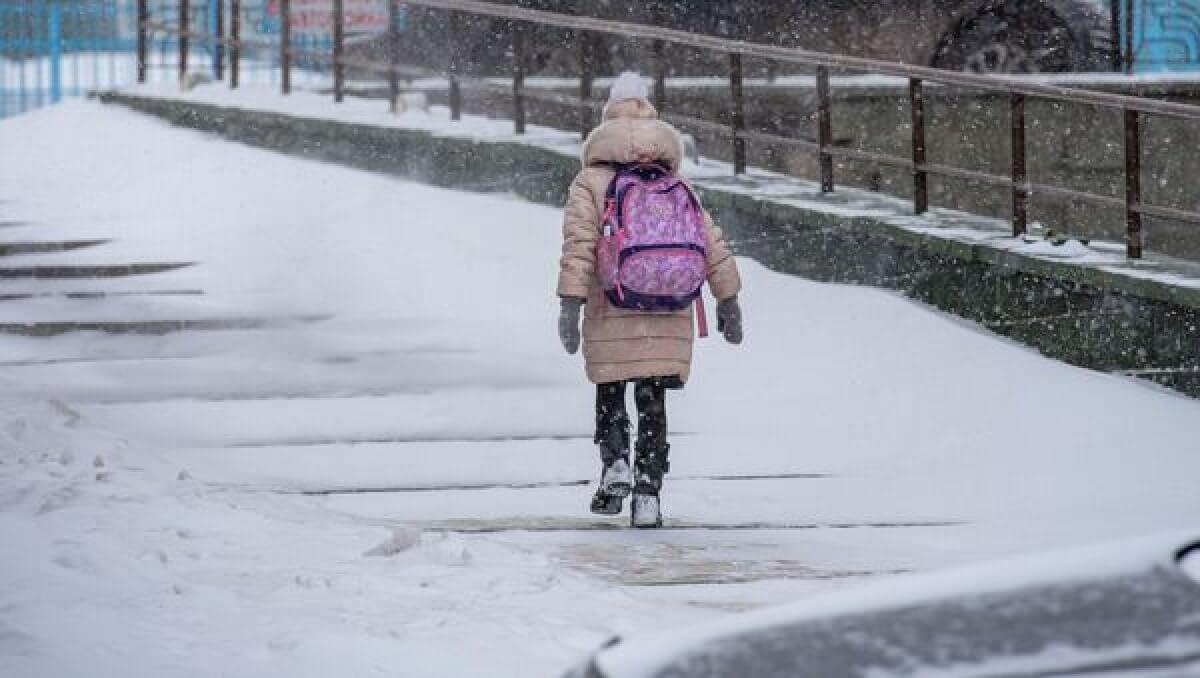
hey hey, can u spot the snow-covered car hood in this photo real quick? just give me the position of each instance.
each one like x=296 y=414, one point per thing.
x=1121 y=606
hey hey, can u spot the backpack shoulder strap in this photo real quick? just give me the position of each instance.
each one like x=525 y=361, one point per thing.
x=613 y=195
x=687 y=186
x=619 y=170
x=610 y=200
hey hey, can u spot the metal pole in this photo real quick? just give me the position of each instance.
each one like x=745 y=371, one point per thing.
x=339 y=46
x=39 y=73
x=824 y=129
x=916 y=98
x=1114 y=25
x=452 y=47
x=285 y=46
x=219 y=43
x=737 y=118
x=1129 y=54
x=21 y=89
x=184 y=13
x=660 y=75
x=518 y=38
x=393 y=54
x=143 y=15
x=1020 y=198
x=55 y=53
x=235 y=47
x=586 y=78
x=162 y=46
x=1133 y=186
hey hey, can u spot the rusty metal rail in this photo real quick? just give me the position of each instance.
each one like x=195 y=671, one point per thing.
x=1018 y=90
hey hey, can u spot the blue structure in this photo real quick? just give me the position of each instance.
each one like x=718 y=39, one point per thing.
x=51 y=49
x=1166 y=35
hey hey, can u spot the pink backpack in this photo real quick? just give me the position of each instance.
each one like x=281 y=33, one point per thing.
x=651 y=255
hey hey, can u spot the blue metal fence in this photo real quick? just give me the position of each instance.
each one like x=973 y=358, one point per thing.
x=51 y=50
x=64 y=48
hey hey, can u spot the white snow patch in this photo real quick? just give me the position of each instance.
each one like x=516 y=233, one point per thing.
x=436 y=362
x=1191 y=563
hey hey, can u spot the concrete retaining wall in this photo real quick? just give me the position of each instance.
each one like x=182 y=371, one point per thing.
x=1076 y=146
x=1086 y=316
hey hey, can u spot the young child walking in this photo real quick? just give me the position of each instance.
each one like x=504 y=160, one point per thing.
x=636 y=249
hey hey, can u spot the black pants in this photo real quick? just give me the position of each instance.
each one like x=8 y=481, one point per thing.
x=612 y=421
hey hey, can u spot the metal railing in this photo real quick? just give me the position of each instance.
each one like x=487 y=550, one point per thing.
x=1016 y=182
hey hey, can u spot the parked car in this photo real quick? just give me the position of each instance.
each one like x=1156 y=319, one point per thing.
x=1012 y=36
x=1128 y=609
x=1016 y=36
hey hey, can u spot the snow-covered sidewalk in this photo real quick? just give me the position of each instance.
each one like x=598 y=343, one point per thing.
x=379 y=468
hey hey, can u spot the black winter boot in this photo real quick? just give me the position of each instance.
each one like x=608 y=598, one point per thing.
x=612 y=437
x=616 y=480
x=651 y=464
x=607 y=504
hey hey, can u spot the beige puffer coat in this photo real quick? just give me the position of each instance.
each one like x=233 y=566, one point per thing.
x=620 y=344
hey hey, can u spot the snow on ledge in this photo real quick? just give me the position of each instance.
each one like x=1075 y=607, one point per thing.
x=316 y=106
x=1105 y=256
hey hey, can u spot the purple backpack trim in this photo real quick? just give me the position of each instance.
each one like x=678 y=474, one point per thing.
x=651 y=255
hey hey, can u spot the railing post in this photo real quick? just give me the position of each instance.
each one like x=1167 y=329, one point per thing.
x=824 y=129
x=185 y=12
x=1114 y=26
x=235 y=47
x=916 y=98
x=518 y=38
x=162 y=40
x=586 y=77
x=218 y=16
x=285 y=46
x=1133 y=186
x=455 y=66
x=339 y=46
x=55 y=53
x=737 y=118
x=1129 y=55
x=143 y=15
x=1020 y=195
x=660 y=75
x=393 y=42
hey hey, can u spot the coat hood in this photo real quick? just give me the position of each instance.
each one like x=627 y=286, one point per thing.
x=634 y=139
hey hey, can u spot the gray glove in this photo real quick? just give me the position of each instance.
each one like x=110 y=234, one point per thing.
x=568 y=323
x=729 y=320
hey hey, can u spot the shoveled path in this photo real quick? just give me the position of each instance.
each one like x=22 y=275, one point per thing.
x=369 y=357
x=119 y=380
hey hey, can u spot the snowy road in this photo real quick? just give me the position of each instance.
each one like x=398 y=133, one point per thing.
x=353 y=441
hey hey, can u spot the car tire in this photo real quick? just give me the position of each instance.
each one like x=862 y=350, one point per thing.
x=1028 y=36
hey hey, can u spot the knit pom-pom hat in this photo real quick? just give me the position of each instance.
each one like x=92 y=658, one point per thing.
x=629 y=97
x=628 y=85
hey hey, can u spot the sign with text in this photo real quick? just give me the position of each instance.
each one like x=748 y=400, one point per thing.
x=316 y=16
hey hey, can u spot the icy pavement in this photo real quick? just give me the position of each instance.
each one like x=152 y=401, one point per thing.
x=345 y=439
